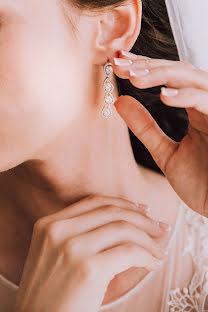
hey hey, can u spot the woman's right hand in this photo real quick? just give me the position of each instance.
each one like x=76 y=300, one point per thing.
x=76 y=252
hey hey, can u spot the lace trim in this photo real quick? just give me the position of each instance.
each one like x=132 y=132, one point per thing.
x=193 y=297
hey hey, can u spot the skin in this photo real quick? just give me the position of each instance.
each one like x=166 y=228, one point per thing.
x=70 y=248
x=185 y=163
x=56 y=148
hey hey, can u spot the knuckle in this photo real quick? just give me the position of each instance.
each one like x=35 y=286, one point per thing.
x=113 y=210
x=147 y=126
x=70 y=247
x=131 y=247
x=165 y=70
x=51 y=231
x=95 y=197
x=40 y=224
x=122 y=225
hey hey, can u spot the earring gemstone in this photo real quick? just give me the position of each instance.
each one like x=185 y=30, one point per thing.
x=108 y=69
x=109 y=99
x=107 y=112
x=108 y=86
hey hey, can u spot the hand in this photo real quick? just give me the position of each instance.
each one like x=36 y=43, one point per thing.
x=76 y=252
x=185 y=163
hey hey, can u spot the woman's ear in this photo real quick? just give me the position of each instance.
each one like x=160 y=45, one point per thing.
x=117 y=29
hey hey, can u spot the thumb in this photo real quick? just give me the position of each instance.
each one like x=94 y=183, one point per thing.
x=146 y=129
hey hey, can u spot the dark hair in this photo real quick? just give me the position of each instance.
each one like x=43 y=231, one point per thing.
x=156 y=41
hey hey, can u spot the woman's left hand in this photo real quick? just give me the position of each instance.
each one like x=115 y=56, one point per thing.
x=185 y=163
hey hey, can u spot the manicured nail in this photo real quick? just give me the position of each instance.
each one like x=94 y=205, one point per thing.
x=169 y=91
x=141 y=72
x=145 y=208
x=120 y=61
x=129 y=54
x=164 y=226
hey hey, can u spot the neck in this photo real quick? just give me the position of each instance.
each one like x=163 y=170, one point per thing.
x=98 y=160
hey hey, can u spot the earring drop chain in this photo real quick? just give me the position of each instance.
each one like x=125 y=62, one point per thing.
x=108 y=88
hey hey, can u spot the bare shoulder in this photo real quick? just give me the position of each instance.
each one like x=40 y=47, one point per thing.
x=162 y=197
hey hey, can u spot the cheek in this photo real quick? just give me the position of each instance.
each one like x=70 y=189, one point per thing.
x=47 y=82
x=38 y=94
x=38 y=84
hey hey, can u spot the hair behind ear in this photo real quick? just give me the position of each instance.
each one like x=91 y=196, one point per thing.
x=156 y=41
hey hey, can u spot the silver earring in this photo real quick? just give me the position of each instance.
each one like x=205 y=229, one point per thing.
x=108 y=88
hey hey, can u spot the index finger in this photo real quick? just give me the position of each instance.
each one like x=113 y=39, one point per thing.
x=91 y=202
x=143 y=62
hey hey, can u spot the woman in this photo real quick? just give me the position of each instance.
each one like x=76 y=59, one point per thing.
x=72 y=237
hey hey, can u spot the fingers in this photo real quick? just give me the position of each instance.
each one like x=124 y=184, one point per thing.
x=91 y=202
x=110 y=235
x=174 y=74
x=145 y=72
x=149 y=63
x=60 y=231
x=146 y=129
x=123 y=257
x=142 y=62
x=186 y=97
x=171 y=76
x=110 y=213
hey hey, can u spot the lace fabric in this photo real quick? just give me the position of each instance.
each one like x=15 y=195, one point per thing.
x=193 y=298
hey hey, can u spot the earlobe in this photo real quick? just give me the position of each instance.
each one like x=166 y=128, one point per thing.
x=118 y=29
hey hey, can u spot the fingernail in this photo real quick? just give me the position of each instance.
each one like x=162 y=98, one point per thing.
x=169 y=91
x=164 y=226
x=129 y=54
x=141 y=72
x=120 y=61
x=145 y=208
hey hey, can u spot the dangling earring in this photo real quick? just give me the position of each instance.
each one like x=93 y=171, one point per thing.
x=108 y=88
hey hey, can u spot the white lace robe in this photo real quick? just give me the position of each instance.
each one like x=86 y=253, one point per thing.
x=193 y=297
